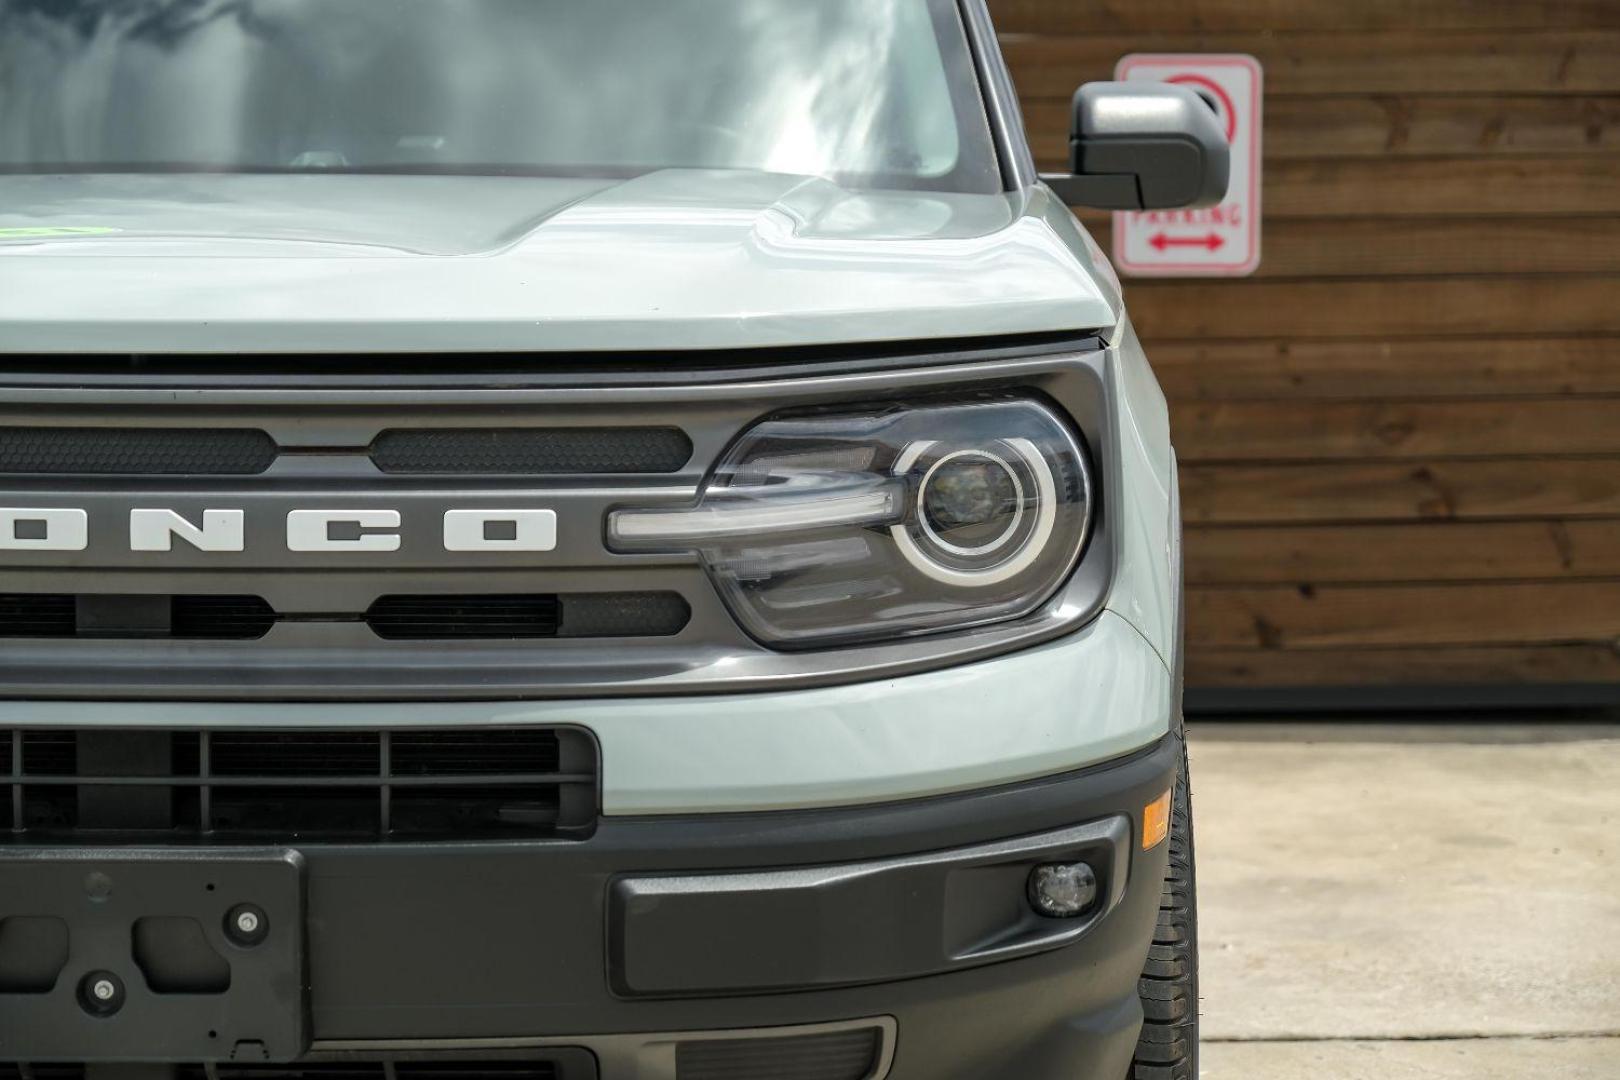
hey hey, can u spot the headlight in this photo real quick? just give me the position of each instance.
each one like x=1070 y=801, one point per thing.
x=832 y=528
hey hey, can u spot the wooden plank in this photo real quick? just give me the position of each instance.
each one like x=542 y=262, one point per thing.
x=1206 y=431
x=1164 y=310
x=1359 y=126
x=1367 y=370
x=1449 y=551
x=1370 y=247
x=1511 y=664
x=1395 y=492
x=1049 y=66
x=1103 y=16
x=1374 y=188
x=1480 y=613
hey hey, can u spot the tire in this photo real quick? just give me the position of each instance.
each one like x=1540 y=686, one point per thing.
x=1168 y=1046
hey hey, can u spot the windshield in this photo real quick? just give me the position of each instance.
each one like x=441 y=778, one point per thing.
x=878 y=93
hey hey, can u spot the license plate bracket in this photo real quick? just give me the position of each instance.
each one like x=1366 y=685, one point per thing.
x=191 y=978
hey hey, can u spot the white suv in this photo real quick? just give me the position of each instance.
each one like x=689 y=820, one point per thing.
x=625 y=540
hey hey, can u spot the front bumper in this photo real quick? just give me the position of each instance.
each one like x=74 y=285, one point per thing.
x=1088 y=697
x=542 y=948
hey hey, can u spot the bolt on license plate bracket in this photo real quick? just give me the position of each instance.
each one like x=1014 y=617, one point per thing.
x=132 y=955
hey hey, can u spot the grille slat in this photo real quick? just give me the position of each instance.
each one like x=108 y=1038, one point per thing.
x=311 y=785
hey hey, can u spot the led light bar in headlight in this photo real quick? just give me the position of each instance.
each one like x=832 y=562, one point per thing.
x=833 y=528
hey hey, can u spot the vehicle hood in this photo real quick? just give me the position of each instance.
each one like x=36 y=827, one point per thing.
x=678 y=259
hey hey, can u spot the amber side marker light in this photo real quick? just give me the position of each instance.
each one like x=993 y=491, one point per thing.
x=1156 y=822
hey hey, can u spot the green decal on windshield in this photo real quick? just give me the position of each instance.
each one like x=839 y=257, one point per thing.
x=33 y=231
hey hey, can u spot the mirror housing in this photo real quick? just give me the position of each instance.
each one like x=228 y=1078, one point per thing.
x=1144 y=146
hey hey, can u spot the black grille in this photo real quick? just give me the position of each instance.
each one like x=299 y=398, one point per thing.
x=833 y=1055
x=634 y=614
x=37 y=615
x=472 y=753
x=404 y=618
x=134 y=451
x=398 y=618
x=137 y=451
x=283 y=785
x=474 y=1070
x=439 y=618
x=64 y=615
x=57 y=1071
x=229 y=618
x=572 y=1065
x=532 y=451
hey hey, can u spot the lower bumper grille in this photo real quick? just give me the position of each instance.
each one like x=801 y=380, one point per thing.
x=561 y=1064
x=832 y=1055
x=44 y=1071
x=384 y=1070
x=850 y=1054
x=96 y=786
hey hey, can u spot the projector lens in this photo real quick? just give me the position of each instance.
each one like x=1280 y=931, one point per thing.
x=971 y=503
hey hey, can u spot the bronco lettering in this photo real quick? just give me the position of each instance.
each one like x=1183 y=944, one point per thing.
x=155 y=529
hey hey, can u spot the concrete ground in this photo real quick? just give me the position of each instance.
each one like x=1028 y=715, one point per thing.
x=1401 y=902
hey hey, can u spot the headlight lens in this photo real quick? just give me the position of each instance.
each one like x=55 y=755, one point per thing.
x=835 y=528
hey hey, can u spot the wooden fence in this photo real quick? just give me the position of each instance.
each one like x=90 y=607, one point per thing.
x=1401 y=438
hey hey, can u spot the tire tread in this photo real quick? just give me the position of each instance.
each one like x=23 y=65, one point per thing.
x=1167 y=1048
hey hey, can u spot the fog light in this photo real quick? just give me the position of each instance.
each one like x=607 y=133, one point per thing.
x=1062 y=890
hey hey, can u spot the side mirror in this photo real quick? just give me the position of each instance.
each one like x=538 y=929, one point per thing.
x=1144 y=146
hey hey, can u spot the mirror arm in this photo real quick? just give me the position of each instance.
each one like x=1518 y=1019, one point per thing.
x=1120 y=191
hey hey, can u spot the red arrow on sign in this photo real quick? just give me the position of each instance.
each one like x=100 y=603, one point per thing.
x=1160 y=241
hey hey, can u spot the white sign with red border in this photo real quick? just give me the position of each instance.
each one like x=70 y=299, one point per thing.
x=1217 y=241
